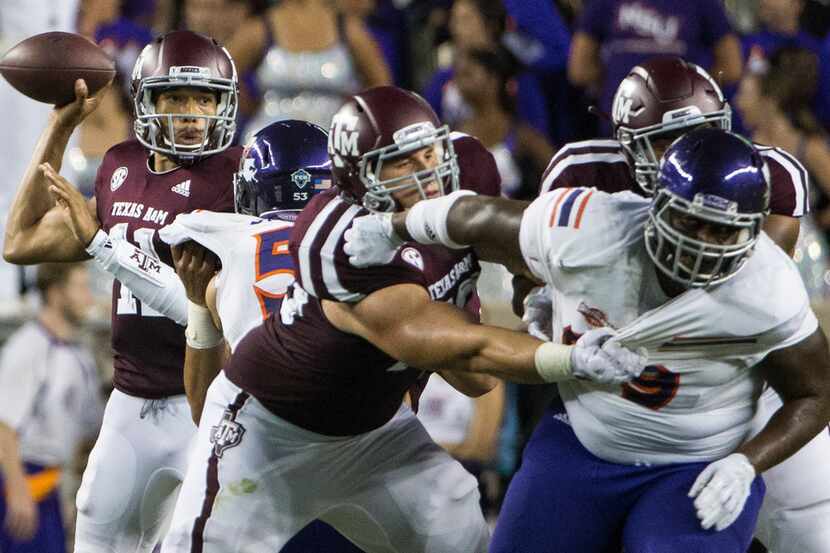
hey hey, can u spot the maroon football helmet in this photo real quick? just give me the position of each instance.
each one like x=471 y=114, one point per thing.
x=663 y=95
x=184 y=59
x=380 y=124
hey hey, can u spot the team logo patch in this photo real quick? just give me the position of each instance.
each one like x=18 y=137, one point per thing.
x=118 y=178
x=413 y=257
x=300 y=178
x=227 y=434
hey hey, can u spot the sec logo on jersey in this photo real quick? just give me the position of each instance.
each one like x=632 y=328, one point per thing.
x=118 y=178
x=413 y=257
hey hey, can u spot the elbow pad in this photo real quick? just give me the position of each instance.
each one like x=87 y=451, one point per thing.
x=150 y=280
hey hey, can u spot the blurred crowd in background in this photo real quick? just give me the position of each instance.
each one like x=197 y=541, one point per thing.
x=518 y=74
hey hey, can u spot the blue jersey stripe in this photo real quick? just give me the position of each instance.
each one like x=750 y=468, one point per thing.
x=565 y=212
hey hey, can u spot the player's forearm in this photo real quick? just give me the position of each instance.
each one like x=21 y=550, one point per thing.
x=205 y=354
x=200 y=368
x=486 y=350
x=32 y=200
x=31 y=235
x=489 y=225
x=789 y=429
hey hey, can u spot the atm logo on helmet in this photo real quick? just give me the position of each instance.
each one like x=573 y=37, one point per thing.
x=343 y=136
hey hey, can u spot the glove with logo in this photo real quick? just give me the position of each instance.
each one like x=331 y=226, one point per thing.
x=721 y=491
x=596 y=357
x=371 y=240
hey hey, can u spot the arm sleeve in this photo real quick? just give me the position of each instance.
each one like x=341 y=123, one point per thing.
x=151 y=280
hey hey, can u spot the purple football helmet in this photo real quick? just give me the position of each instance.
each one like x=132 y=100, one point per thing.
x=284 y=166
x=717 y=178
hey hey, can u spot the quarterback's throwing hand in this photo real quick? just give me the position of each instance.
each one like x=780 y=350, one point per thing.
x=596 y=357
x=721 y=491
x=371 y=240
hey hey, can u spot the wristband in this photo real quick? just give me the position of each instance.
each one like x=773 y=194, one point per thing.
x=426 y=221
x=553 y=362
x=201 y=333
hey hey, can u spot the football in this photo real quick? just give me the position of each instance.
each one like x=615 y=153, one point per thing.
x=45 y=67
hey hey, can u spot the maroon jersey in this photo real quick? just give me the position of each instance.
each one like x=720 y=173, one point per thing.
x=603 y=165
x=310 y=373
x=134 y=202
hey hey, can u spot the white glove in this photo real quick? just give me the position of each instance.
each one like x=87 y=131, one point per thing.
x=538 y=315
x=721 y=491
x=596 y=357
x=371 y=240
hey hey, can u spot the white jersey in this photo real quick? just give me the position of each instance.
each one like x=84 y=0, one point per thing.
x=697 y=398
x=256 y=265
x=49 y=394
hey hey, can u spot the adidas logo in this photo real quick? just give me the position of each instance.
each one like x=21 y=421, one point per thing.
x=183 y=188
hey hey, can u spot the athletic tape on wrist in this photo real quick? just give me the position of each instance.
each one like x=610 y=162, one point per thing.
x=553 y=362
x=426 y=221
x=201 y=333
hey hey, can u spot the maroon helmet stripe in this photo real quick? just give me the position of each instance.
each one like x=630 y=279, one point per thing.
x=197 y=542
